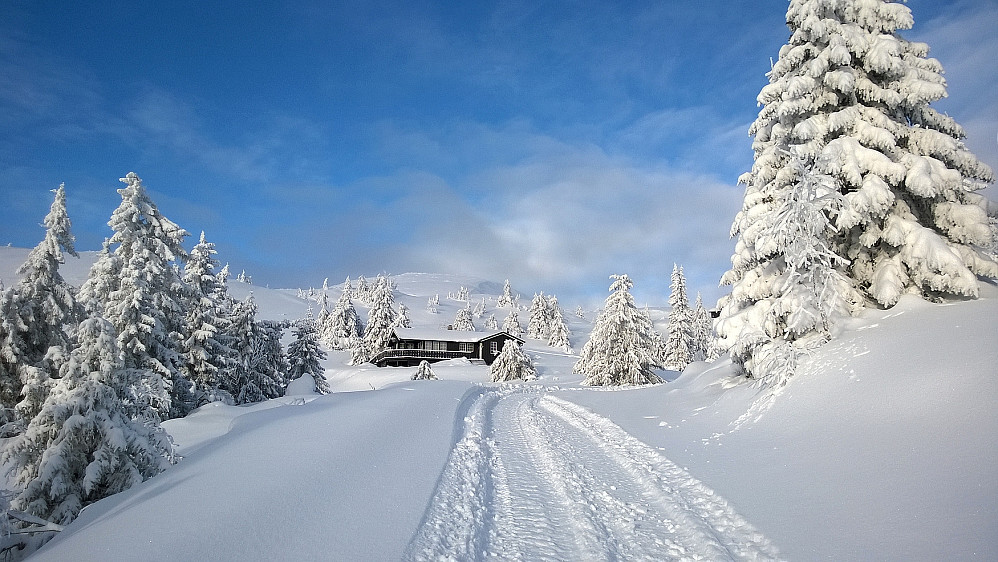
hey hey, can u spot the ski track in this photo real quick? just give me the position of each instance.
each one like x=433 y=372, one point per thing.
x=534 y=477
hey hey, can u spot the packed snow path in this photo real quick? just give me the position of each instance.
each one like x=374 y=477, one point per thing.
x=533 y=477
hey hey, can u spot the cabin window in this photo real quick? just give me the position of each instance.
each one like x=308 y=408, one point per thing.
x=435 y=345
x=467 y=347
x=494 y=347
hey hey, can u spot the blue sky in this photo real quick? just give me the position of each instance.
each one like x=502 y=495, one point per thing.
x=551 y=143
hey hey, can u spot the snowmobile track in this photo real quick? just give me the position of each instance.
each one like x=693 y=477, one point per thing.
x=534 y=477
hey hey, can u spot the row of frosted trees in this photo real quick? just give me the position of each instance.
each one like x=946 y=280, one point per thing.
x=88 y=375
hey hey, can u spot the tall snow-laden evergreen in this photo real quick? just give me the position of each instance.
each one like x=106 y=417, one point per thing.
x=512 y=364
x=620 y=350
x=45 y=301
x=143 y=302
x=852 y=97
x=83 y=445
x=305 y=355
x=209 y=361
x=679 y=347
x=46 y=310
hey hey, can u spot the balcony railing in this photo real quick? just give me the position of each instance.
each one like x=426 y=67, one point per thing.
x=420 y=354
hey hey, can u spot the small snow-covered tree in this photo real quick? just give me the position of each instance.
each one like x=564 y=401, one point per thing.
x=620 y=349
x=342 y=325
x=679 y=346
x=424 y=372
x=506 y=298
x=363 y=291
x=511 y=324
x=462 y=295
x=491 y=323
x=852 y=97
x=479 y=309
x=263 y=368
x=432 y=303
x=579 y=312
x=512 y=364
x=83 y=445
x=539 y=318
x=559 y=334
x=703 y=331
x=463 y=320
x=305 y=355
x=402 y=319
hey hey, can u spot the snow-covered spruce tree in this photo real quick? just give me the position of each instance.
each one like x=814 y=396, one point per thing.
x=209 y=361
x=463 y=320
x=539 y=318
x=491 y=323
x=852 y=96
x=305 y=355
x=83 y=445
x=363 y=291
x=679 y=347
x=47 y=308
x=12 y=362
x=620 y=347
x=506 y=298
x=511 y=324
x=343 y=324
x=558 y=331
x=402 y=319
x=512 y=364
x=44 y=299
x=144 y=301
x=798 y=288
x=703 y=331
x=261 y=371
x=424 y=372
x=381 y=317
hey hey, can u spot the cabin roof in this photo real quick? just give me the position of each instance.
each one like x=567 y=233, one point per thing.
x=437 y=334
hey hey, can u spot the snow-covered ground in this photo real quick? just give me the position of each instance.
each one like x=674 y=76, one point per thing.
x=881 y=448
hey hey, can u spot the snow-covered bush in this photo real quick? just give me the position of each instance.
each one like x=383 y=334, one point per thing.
x=424 y=372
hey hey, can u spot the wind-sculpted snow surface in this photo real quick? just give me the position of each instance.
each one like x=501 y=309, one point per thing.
x=533 y=477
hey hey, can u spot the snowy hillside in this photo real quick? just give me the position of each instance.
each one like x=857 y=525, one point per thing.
x=881 y=448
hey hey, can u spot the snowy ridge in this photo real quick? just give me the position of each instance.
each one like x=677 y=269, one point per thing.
x=514 y=486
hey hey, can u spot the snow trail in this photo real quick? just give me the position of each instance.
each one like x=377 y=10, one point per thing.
x=534 y=477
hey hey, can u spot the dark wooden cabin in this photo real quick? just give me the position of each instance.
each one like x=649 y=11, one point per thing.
x=408 y=346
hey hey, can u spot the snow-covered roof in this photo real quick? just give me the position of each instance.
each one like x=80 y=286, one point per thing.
x=437 y=334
